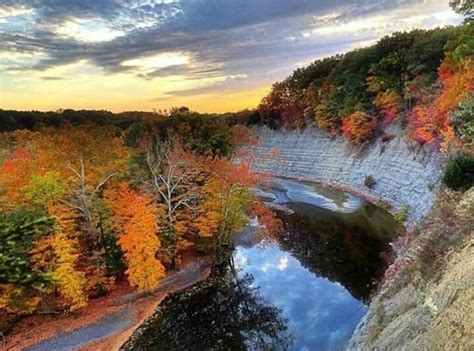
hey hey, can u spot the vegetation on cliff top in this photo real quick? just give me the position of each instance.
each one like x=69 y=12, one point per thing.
x=424 y=77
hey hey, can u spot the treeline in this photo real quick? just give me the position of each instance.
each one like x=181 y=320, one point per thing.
x=425 y=77
x=83 y=205
x=203 y=131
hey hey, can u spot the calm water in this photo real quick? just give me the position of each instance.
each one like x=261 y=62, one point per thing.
x=307 y=291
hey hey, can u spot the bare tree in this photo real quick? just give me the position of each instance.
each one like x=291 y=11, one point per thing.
x=83 y=197
x=171 y=181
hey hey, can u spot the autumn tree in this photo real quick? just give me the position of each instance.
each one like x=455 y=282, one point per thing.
x=390 y=104
x=283 y=106
x=67 y=275
x=228 y=200
x=358 y=127
x=15 y=174
x=174 y=177
x=81 y=161
x=430 y=122
x=136 y=218
x=69 y=168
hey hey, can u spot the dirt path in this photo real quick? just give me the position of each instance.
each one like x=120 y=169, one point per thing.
x=120 y=319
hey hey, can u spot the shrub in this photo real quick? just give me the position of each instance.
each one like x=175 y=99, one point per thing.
x=459 y=172
x=384 y=204
x=402 y=214
x=463 y=119
x=369 y=181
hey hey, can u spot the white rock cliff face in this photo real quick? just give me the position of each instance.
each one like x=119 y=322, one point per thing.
x=405 y=175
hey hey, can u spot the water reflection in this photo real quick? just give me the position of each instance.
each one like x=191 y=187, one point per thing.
x=321 y=314
x=306 y=292
x=225 y=312
x=345 y=248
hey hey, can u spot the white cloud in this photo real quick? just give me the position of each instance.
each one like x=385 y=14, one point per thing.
x=150 y=63
x=15 y=55
x=266 y=266
x=427 y=15
x=236 y=76
x=283 y=264
x=88 y=31
x=6 y=13
x=16 y=61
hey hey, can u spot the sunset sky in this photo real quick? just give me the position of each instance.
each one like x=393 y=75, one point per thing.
x=209 y=55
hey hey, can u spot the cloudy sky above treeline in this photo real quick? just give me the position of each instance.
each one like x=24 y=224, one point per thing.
x=210 y=55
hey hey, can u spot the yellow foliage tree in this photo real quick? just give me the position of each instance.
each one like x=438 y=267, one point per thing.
x=70 y=280
x=227 y=199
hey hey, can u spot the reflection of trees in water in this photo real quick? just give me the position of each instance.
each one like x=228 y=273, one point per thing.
x=225 y=312
x=341 y=247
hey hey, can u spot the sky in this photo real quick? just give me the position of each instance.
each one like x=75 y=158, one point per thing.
x=209 y=55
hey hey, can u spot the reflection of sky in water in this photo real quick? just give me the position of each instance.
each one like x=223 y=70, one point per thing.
x=322 y=314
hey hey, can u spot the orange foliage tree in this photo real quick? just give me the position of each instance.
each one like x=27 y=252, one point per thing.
x=389 y=103
x=430 y=121
x=15 y=174
x=358 y=127
x=136 y=218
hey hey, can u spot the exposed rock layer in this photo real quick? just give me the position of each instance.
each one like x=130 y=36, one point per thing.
x=404 y=174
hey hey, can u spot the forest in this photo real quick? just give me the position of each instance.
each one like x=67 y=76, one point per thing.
x=424 y=78
x=85 y=205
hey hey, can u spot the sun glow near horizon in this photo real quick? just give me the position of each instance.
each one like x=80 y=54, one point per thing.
x=121 y=56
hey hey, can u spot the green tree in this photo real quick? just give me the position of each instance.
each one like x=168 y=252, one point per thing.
x=18 y=230
x=464 y=7
x=459 y=172
x=463 y=119
x=45 y=188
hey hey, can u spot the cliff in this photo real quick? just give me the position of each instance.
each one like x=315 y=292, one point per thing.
x=426 y=298
x=426 y=301
x=404 y=175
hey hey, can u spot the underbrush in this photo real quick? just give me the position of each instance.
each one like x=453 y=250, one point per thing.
x=459 y=172
x=422 y=253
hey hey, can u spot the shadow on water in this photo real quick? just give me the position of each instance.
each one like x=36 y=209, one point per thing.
x=343 y=247
x=225 y=312
x=307 y=291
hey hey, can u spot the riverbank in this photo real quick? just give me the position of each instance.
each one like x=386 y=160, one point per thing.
x=391 y=168
x=107 y=322
x=426 y=299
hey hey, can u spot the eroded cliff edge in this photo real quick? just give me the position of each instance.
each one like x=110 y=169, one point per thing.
x=404 y=175
x=426 y=300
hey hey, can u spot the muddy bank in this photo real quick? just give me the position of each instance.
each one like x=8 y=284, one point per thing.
x=106 y=323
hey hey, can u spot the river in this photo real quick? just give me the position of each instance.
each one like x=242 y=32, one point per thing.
x=306 y=290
